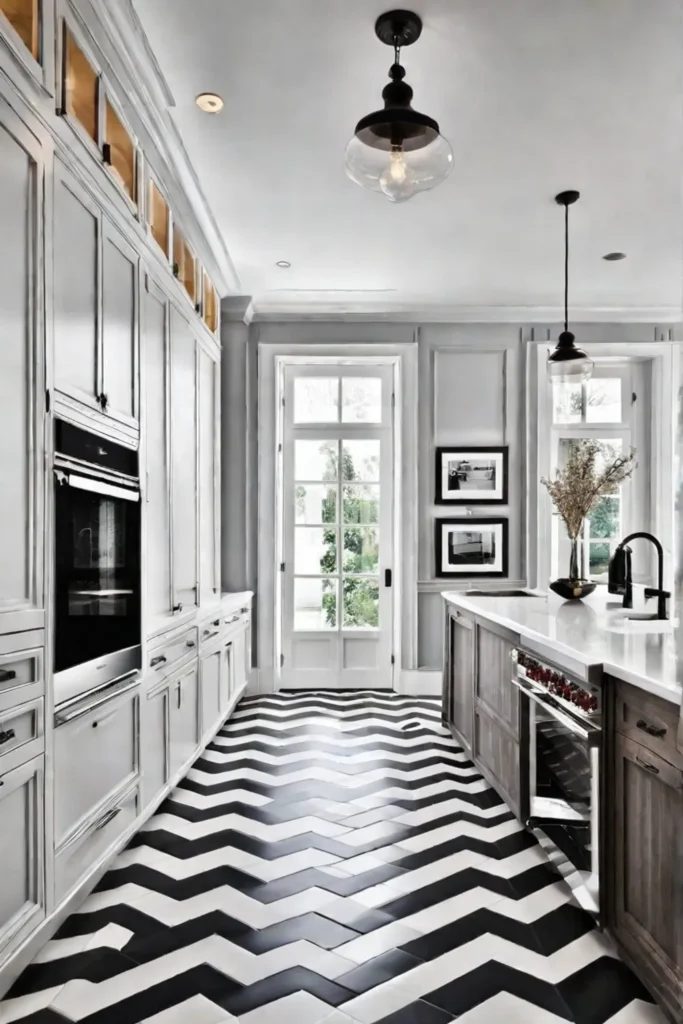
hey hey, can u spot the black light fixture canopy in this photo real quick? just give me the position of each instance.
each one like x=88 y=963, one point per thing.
x=568 y=363
x=398 y=150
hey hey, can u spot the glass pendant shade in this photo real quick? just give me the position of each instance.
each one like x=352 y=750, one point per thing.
x=568 y=364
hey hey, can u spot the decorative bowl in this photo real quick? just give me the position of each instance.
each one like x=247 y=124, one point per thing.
x=572 y=590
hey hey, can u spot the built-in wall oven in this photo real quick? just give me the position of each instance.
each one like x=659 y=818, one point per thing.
x=97 y=580
x=564 y=780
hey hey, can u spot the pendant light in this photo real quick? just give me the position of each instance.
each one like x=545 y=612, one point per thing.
x=568 y=363
x=398 y=151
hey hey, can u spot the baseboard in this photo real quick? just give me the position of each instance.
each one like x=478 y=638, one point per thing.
x=419 y=683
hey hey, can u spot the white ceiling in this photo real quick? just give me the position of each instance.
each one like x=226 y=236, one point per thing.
x=535 y=96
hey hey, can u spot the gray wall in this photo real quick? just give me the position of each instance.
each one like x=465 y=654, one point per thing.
x=472 y=390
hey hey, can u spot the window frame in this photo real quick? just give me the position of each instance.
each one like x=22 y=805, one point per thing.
x=109 y=97
x=67 y=25
x=42 y=68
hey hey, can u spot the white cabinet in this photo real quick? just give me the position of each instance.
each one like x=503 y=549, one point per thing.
x=209 y=477
x=184 y=502
x=155 y=743
x=119 y=394
x=184 y=718
x=22 y=852
x=210 y=668
x=21 y=374
x=227 y=683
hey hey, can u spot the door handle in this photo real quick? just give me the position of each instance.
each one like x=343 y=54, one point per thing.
x=6 y=735
x=159 y=660
x=387 y=577
x=7 y=675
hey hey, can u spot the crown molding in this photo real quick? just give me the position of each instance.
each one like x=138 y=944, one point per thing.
x=237 y=309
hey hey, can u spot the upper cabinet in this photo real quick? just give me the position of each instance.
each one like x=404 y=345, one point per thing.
x=119 y=395
x=27 y=26
x=119 y=151
x=24 y=17
x=184 y=432
x=210 y=305
x=184 y=265
x=159 y=217
x=81 y=88
x=209 y=476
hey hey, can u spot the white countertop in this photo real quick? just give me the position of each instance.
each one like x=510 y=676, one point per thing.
x=583 y=633
x=231 y=601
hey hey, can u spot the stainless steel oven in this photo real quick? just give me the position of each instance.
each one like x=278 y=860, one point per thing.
x=97 y=563
x=565 y=743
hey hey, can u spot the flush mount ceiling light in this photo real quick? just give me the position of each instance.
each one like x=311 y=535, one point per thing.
x=285 y=264
x=398 y=151
x=209 y=102
x=568 y=363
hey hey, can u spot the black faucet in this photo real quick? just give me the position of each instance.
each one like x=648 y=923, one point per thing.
x=620 y=578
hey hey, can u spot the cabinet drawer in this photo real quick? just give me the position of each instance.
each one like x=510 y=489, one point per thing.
x=172 y=651
x=648 y=720
x=92 y=841
x=21 y=677
x=95 y=754
x=237 y=617
x=22 y=734
x=209 y=632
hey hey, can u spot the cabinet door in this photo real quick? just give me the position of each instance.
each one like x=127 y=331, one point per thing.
x=155 y=744
x=119 y=326
x=227 y=674
x=184 y=460
x=497 y=755
x=648 y=854
x=157 y=452
x=494 y=674
x=184 y=717
x=211 y=690
x=208 y=477
x=460 y=676
x=77 y=226
x=22 y=852
x=21 y=375
x=240 y=660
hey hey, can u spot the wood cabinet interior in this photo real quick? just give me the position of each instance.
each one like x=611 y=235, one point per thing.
x=210 y=305
x=158 y=217
x=121 y=151
x=183 y=264
x=24 y=17
x=81 y=84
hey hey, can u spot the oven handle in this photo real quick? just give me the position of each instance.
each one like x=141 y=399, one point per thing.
x=69 y=714
x=85 y=483
x=566 y=720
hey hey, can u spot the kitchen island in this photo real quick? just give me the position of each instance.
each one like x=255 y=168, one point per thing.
x=584 y=650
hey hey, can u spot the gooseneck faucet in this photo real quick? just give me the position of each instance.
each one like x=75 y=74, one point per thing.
x=620 y=576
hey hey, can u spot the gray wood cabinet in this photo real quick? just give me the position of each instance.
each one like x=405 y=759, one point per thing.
x=21 y=374
x=184 y=491
x=184 y=718
x=119 y=377
x=495 y=692
x=459 y=676
x=22 y=852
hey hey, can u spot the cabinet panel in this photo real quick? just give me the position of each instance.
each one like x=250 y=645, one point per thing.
x=22 y=837
x=77 y=223
x=227 y=683
x=460 y=675
x=494 y=673
x=183 y=460
x=498 y=756
x=155 y=744
x=157 y=447
x=208 y=477
x=119 y=327
x=211 y=690
x=20 y=462
x=184 y=717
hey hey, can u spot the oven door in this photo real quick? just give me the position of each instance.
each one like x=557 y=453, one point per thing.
x=97 y=583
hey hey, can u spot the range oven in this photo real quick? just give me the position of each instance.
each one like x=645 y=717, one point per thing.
x=564 y=780
x=97 y=579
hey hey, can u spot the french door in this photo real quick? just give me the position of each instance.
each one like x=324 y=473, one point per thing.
x=337 y=522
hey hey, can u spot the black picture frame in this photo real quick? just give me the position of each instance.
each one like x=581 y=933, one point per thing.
x=499 y=452
x=468 y=570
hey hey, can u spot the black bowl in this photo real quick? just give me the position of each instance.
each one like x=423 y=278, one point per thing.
x=572 y=590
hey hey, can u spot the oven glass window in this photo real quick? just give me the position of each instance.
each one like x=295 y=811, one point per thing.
x=563 y=768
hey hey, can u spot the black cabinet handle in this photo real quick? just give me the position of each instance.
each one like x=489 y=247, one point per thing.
x=387 y=577
x=190 y=643
x=6 y=736
x=7 y=674
x=159 y=660
x=177 y=607
x=647 y=766
x=651 y=730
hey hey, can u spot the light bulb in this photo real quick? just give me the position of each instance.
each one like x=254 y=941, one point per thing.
x=397 y=181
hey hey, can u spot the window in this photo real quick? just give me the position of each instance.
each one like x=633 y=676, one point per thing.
x=158 y=218
x=183 y=263
x=81 y=85
x=24 y=17
x=120 y=154
x=210 y=305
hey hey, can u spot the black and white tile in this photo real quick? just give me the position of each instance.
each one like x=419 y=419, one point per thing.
x=332 y=858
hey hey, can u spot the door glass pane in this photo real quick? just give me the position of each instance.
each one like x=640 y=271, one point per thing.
x=23 y=17
x=362 y=400
x=361 y=503
x=361 y=550
x=316 y=503
x=361 y=603
x=567 y=403
x=603 y=400
x=315 y=550
x=122 y=151
x=316 y=460
x=80 y=87
x=158 y=217
x=360 y=460
x=315 y=604
x=183 y=263
x=316 y=399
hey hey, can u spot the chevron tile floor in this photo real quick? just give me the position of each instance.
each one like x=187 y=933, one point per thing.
x=331 y=858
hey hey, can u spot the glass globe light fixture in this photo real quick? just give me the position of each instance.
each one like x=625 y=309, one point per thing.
x=567 y=363
x=397 y=151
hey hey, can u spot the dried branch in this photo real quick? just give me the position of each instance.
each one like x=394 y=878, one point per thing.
x=578 y=487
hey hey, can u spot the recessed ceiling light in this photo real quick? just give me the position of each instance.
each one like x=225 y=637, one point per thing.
x=612 y=257
x=209 y=102
x=285 y=264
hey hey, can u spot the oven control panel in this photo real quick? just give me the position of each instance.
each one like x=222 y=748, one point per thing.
x=581 y=696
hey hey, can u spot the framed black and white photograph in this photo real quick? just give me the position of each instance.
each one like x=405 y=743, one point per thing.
x=472 y=476
x=471 y=547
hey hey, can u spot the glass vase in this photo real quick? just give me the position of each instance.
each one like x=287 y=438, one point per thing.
x=576 y=559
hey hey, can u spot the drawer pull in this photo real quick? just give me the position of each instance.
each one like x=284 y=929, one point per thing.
x=647 y=766
x=207 y=634
x=651 y=730
x=159 y=660
x=178 y=607
x=7 y=675
x=6 y=735
x=233 y=618
x=190 y=643
x=109 y=816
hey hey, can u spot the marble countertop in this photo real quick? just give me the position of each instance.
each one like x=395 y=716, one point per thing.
x=580 y=634
x=231 y=601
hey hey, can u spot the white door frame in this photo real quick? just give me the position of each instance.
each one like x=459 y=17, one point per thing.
x=272 y=359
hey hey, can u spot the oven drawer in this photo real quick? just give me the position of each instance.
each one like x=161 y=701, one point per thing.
x=21 y=671
x=93 y=839
x=95 y=754
x=171 y=651
x=22 y=734
x=648 y=720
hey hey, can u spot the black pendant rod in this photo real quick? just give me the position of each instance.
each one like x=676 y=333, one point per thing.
x=566 y=268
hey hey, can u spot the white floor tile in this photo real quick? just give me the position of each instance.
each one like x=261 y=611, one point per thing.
x=376 y=896
x=22 y=1006
x=639 y=1013
x=197 y=1010
x=298 y=1008
x=511 y=1010
x=367 y=947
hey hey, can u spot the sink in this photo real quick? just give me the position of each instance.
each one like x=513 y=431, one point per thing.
x=499 y=593
x=628 y=621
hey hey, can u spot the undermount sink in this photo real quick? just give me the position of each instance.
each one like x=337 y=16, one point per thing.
x=499 y=593
x=625 y=620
